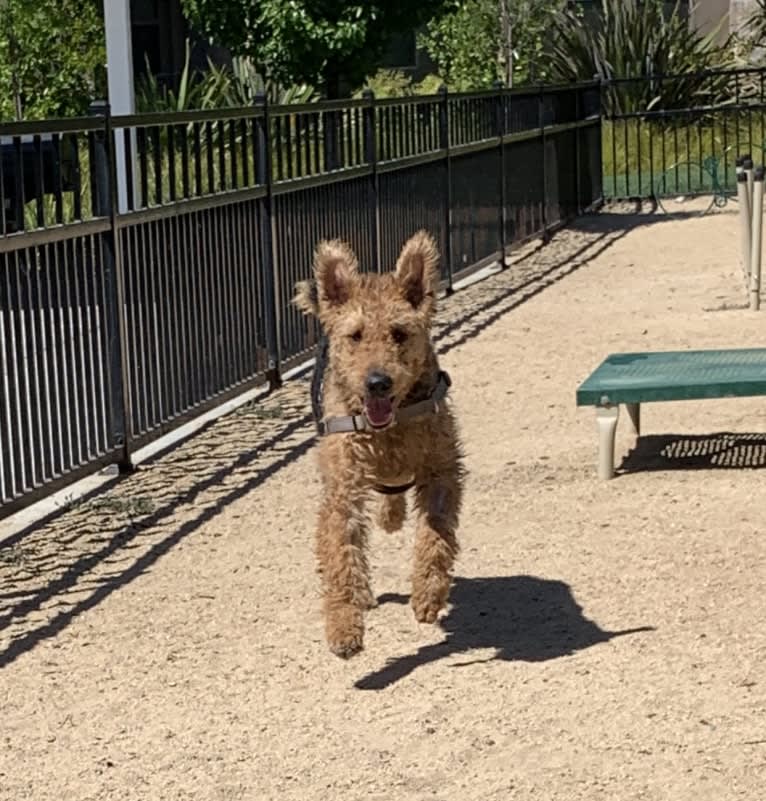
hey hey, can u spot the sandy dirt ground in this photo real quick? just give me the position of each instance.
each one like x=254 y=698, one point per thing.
x=605 y=640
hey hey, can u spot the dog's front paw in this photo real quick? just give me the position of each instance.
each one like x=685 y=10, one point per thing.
x=345 y=631
x=428 y=605
x=368 y=599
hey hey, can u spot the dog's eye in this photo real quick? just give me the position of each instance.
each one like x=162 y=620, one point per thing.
x=356 y=336
x=399 y=336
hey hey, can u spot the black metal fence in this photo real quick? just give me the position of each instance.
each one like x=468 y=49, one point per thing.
x=147 y=262
x=681 y=134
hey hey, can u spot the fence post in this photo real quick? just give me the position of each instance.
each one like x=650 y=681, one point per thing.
x=330 y=139
x=544 y=170
x=500 y=131
x=104 y=201
x=268 y=262
x=578 y=153
x=444 y=145
x=371 y=158
x=602 y=115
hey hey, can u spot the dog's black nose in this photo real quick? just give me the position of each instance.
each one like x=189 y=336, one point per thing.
x=379 y=384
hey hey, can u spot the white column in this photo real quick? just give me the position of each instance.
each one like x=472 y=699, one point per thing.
x=119 y=65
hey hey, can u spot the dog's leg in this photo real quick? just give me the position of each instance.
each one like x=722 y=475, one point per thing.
x=341 y=544
x=393 y=511
x=438 y=506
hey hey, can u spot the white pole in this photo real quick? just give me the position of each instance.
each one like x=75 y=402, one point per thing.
x=747 y=164
x=119 y=66
x=755 y=248
x=745 y=218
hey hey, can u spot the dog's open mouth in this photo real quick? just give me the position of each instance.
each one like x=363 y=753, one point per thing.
x=379 y=411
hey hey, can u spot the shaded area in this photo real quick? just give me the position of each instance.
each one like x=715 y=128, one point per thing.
x=719 y=451
x=523 y=618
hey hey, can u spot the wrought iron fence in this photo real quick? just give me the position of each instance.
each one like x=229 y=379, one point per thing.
x=660 y=148
x=147 y=262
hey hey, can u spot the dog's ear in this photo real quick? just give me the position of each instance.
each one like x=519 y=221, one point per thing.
x=336 y=271
x=307 y=297
x=417 y=271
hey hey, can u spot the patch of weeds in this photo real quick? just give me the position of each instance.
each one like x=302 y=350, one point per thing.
x=727 y=307
x=18 y=556
x=261 y=412
x=131 y=506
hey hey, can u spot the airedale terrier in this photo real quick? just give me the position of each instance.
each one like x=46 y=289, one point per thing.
x=379 y=398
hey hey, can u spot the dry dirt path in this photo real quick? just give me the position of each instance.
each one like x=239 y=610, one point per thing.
x=605 y=640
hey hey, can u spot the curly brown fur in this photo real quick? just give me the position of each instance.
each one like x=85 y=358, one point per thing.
x=380 y=325
x=392 y=512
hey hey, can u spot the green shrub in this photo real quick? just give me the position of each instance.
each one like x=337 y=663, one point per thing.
x=394 y=83
x=52 y=56
x=235 y=86
x=635 y=39
x=194 y=91
x=387 y=83
x=238 y=86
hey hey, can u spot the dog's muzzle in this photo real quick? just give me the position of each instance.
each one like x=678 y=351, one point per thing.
x=360 y=422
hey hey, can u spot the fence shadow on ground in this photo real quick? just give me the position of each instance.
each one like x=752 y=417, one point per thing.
x=718 y=451
x=53 y=572
x=101 y=547
x=523 y=618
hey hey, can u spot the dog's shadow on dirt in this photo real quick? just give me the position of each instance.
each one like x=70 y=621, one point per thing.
x=523 y=618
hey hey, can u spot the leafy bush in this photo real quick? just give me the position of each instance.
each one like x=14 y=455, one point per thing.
x=194 y=91
x=306 y=40
x=455 y=40
x=387 y=83
x=394 y=83
x=473 y=44
x=234 y=86
x=52 y=56
x=635 y=39
x=240 y=84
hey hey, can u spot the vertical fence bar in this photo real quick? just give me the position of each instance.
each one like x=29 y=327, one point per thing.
x=371 y=158
x=500 y=132
x=19 y=200
x=541 y=122
x=330 y=141
x=444 y=144
x=268 y=262
x=105 y=204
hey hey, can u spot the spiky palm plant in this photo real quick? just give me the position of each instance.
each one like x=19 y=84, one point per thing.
x=638 y=39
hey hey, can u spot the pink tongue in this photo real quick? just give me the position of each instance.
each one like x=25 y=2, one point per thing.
x=378 y=410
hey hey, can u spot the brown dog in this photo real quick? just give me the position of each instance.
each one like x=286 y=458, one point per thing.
x=385 y=429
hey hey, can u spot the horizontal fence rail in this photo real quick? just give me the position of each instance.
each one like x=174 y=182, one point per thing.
x=147 y=262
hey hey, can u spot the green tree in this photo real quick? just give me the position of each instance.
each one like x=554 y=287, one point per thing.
x=480 y=41
x=755 y=27
x=317 y=42
x=50 y=54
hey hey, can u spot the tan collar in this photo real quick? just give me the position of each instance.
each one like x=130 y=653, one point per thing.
x=359 y=422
